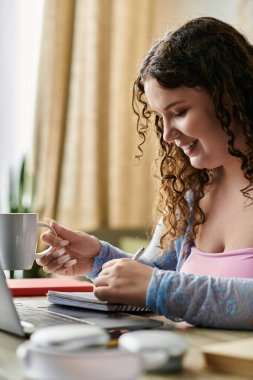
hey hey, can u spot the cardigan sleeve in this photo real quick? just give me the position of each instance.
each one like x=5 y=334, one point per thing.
x=107 y=252
x=154 y=256
x=202 y=300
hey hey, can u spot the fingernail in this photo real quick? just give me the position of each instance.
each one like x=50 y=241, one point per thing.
x=63 y=259
x=70 y=263
x=58 y=253
x=63 y=243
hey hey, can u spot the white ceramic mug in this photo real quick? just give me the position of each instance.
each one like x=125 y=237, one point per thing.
x=18 y=240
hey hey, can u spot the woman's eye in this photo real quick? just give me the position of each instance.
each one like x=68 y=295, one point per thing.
x=180 y=113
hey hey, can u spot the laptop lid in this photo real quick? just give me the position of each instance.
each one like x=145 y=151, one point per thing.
x=10 y=321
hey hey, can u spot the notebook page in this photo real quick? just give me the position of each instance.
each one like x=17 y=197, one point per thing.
x=88 y=300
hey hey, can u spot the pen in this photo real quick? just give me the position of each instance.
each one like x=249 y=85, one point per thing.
x=138 y=253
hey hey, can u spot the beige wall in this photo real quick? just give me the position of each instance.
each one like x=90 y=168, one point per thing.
x=171 y=13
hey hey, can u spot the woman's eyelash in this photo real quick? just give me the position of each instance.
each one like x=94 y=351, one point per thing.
x=180 y=113
x=174 y=114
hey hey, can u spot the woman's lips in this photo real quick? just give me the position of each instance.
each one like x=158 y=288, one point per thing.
x=187 y=148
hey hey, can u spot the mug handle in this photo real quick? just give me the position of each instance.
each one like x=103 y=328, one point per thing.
x=39 y=255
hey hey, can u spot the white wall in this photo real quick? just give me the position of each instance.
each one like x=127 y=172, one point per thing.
x=20 y=34
x=172 y=13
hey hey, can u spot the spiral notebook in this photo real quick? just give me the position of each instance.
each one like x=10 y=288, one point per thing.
x=88 y=300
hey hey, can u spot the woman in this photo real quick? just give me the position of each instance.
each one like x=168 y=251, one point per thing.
x=195 y=87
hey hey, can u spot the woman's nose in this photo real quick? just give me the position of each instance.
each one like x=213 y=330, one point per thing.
x=170 y=133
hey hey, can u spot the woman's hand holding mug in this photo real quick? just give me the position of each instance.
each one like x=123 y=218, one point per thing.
x=73 y=251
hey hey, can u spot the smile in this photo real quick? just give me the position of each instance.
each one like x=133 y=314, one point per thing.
x=187 y=148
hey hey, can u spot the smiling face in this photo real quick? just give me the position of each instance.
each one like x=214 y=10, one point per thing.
x=190 y=122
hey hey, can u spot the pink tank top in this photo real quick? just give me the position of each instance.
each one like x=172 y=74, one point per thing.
x=238 y=263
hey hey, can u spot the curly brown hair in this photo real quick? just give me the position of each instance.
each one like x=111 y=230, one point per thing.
x=212 y=54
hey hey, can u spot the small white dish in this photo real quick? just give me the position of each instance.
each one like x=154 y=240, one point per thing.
x=161 y=350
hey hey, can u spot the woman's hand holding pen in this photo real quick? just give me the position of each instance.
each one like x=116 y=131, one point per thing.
x=124 y=281
x=121 y=280
x=73 y=252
